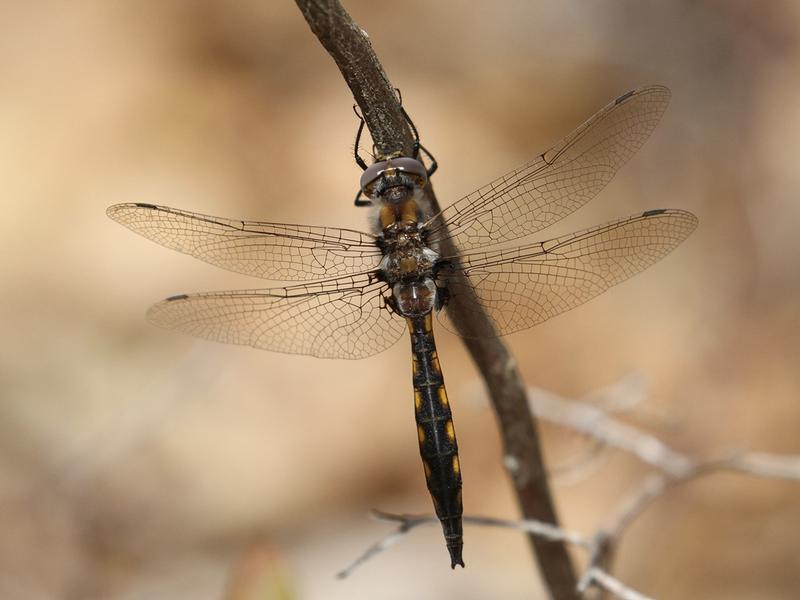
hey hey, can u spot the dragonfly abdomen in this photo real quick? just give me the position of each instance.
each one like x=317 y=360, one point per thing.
x=437 y=438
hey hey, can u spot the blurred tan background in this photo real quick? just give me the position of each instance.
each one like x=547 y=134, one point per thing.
x=136 y=463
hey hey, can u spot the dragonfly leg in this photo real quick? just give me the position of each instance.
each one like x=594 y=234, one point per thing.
x=359 y=161
x=434 y=165
x=359 y=202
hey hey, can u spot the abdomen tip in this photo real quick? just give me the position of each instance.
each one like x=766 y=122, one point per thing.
x=455 y=558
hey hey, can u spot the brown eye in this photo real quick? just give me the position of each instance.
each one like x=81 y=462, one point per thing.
x=372 y=173
x=411 y=166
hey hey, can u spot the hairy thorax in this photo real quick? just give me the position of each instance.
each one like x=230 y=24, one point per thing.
x=408 y=266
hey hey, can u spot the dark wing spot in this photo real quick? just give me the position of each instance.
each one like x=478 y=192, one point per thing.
x=145 y=205
x=624 y=97
x=177 y=297
x=654 y=212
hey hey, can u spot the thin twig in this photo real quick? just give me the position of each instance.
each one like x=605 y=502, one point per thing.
x=407 y=523
x=350 y=48
x=579 y=468
x=763 y=464
x=592 y=421
x=544 y=530
x=596 y=576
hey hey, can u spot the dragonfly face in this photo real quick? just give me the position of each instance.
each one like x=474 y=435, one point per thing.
x=400 y=171
x=360 y=292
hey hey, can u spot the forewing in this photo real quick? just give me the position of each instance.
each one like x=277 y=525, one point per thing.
x=339 y=318
x=266 y=250
x=524 y=286
x=559 y=181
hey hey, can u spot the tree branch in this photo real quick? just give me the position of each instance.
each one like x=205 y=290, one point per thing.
x=349 y=46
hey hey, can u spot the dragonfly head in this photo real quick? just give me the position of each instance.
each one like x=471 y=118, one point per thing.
x=395 y=172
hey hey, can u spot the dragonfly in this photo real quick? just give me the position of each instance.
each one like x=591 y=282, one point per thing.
x=360 y=292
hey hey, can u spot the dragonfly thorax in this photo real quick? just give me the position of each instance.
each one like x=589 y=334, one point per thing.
x=406 y=257
x=408 y=264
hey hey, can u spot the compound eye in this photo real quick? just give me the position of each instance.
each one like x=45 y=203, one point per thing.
x=411 y=166
x=372 y=173
x=402 y=164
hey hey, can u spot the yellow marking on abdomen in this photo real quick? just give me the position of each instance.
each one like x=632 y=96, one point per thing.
x=450 y=431
x=417 y=400
x=435 y=363
x=427 y=468
x=442 y=396
x=420 y=434
x=428 y=322
x=456 y=465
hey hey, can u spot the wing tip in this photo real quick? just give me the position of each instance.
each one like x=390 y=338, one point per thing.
x=674 y=212
x=654 y=212
x=623 y=97
x=653 y=88
x=176 y=297
x=115 y=210
x=661 y=92
x=158 y=314
x=689 y=219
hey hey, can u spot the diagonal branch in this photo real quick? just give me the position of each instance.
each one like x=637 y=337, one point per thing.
x=349 y=46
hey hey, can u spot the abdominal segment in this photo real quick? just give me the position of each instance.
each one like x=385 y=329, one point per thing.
x=436 y=434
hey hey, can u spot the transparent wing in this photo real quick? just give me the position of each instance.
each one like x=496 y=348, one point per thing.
x=525 y=286
x=266 y=250
x=559 y=181
x=338 y=318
